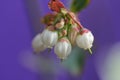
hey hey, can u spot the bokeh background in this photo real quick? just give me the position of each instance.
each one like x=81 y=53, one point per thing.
x=20 y=22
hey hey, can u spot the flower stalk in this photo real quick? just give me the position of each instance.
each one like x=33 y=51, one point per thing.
x=90 y=51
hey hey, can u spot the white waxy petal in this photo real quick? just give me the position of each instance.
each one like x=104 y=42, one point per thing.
x=85 y=40
x=62 y=49
x=49 y=38
x=37 y=43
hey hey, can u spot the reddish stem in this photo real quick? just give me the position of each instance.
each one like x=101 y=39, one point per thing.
x=78 y=23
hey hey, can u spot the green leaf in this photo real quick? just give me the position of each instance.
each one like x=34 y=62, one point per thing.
x=75 y=61
x=78 y=5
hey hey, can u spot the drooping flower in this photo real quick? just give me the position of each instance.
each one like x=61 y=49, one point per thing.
x=49 y=38
x=85 y=39
x=63 y=48
x=37 y=43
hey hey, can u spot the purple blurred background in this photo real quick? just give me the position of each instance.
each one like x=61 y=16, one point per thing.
x=20 y=21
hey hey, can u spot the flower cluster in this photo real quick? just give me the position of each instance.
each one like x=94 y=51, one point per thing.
x=63 y=31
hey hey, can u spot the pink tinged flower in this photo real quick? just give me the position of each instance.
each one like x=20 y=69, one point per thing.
x=60 y=24
x=37 y=43
x=49 y=38
x=73 y=34
x=85 y=39
x=63 y=48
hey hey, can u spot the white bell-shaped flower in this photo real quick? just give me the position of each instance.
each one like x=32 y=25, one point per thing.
x=37 y=43
x=63 y=48
x=85 y=39
x=49 y=38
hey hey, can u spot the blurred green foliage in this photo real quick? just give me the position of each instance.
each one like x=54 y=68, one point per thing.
x=78 y=5
x=75 y=61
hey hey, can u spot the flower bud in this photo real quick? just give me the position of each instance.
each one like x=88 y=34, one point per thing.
x=49 y=18
x=55 y=5
x=85 y=39
x=73 y=34
x=64 y=11
x=63 y=48
x=60 y=24
x=37 y=43
x=49 y=38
